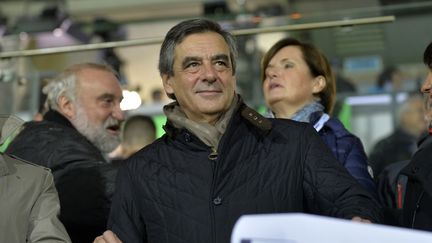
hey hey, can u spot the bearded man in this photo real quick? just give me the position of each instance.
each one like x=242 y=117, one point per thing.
x=80 y=127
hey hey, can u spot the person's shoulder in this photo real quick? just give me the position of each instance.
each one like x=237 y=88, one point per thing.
x=51 y=139
x=396 y=167
x=49 y=126
x=153 y=154
x=423 y=155
x=336 y=127
x=151 y=149
x=25 y=166
x=280 y=123
x=290 y=129
x=34 y=130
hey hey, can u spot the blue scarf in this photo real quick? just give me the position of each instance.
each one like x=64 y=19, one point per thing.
x=304 y=113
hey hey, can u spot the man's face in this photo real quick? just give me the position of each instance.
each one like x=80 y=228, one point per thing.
x=97 y=108
x=426 y=89
x=203 y=80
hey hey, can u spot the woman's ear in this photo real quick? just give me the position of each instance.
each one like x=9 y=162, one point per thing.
x=319 y=83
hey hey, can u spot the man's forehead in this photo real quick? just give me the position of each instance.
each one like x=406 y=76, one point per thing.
x=202 y=45
x=199 y=39
x=89 y=73
x=96 y=85
x=95 y=76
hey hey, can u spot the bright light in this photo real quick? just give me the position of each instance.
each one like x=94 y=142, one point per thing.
x=57 y=32
x=23 y=36
x=380 y=99
x=131 y=100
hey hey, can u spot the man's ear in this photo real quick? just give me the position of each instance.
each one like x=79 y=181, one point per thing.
x=66 y=107
x=319 y=83
x=167 y=81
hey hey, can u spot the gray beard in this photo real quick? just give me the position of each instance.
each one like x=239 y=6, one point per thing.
x=97 y=135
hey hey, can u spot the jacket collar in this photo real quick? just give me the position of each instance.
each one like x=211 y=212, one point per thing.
x=254 y=118
x=9 y=124
x=262 y=124
x=55 y=116
x=424 y=140
x=210 y=134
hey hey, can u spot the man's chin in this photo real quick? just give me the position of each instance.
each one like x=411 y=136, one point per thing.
x=106 y=149
x=108 y=144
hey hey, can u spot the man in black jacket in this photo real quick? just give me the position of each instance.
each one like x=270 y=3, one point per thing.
x=81 y=125
x=219 y=159
x=417 y=208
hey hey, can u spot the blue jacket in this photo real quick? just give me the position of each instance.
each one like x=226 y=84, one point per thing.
x=347 y=148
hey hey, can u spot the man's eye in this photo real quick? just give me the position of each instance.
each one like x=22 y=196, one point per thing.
x=288 y=65
x=108 y=101
x=221 y=65
x=192 y=65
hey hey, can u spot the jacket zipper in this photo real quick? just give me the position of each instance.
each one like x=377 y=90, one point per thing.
x=213 y=157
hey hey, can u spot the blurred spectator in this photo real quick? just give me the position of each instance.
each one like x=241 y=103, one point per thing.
x=389 y=80
x=157 y=95
x=81 y=125
x=401 y=144
x=138 y=131
x=343 y=84
x=29 y=204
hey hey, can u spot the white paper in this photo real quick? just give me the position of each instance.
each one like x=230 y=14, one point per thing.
x=304 y=228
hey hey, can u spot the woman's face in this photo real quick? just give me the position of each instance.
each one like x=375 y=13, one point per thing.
x=288 y=80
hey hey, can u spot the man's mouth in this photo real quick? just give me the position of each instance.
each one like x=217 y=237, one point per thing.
x=209 y=92
x=113 y=128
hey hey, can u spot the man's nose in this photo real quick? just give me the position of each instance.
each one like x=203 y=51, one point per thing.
x=117 y=113
x=209 y=73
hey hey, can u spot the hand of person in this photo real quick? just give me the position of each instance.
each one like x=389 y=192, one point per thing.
x=107 y=237
x=359 y=219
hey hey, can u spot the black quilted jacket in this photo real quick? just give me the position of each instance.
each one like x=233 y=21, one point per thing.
x=173 y=191
x=417 y=208
x=83 y=178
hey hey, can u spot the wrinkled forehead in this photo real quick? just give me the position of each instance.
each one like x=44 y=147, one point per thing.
x=96 y=76
x=93 y=81
x=203 y=45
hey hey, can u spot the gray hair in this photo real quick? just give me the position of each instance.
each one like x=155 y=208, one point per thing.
x=65 y=83
x=185 y=28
